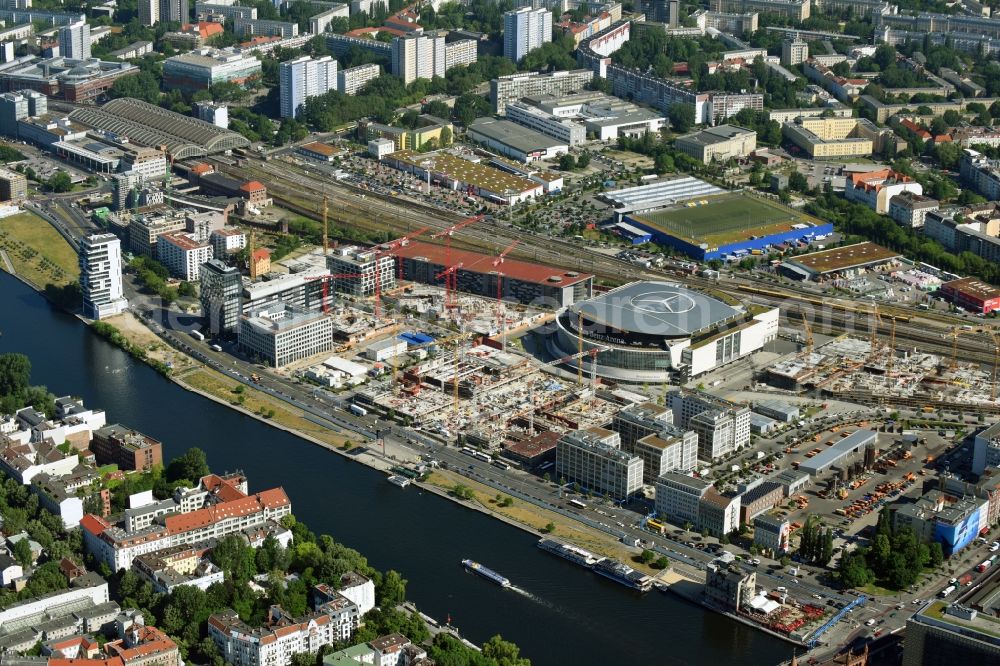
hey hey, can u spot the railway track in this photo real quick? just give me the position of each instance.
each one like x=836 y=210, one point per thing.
x=291 y=186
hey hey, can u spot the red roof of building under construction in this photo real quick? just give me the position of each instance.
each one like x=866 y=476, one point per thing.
x=483 y=263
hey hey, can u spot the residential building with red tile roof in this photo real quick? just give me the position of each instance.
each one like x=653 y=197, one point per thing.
x=876 y=188
x=217 y=508
x=283 y=636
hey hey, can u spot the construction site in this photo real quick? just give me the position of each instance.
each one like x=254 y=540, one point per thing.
x=878 y=371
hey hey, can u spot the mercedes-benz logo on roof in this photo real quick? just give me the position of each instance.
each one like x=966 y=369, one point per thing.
x=663 y=302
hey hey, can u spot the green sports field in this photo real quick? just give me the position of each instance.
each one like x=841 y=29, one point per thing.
x=724 y=219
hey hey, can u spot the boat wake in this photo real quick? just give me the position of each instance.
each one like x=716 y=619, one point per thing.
x=524 y=593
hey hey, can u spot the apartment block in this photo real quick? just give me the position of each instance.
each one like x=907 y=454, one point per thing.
x=794 y=10
x=216 y=508
x=524 y=30
x=319 y=23
x=101 y=276
x=74 y=41
x=281 y=333
x=166 y=570
x=13 y=186
x=350 y=81
x=463 y=52
x=258 y=27
x=129 y=449
x=183 y=254
x=303 y=78
x=418 y=56
x=981 y=173
x=152 y=12
x=794 y=51
x=594 y=459
x=876 y=188
x=360 y=270
x=910 y=210
x=281 y=637
x=506 y=89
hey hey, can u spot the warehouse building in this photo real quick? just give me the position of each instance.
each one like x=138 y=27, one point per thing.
x=466 y=175
x=522 y=281
x=838 y=453
x=839 y=261
x=514 y=141
x=972 y=294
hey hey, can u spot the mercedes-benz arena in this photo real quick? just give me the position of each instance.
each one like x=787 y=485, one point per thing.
x=658 y=331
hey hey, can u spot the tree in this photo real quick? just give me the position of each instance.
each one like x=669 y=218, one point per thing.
x=681 y=117
x=647 y=556
x=935 y=554
x=854 y=571
x=549 y=528
x=567 y=162
x=303 y=659
x=22 y=552
x=583 y=161
x=504 y=652
x=662 y=562
x=446 y=136
x=15 y=373
x=470 y=106
x=60 y=182
x=392 y=591
x=191 y=465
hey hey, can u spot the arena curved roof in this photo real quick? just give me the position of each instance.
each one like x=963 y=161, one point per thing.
x=655 y=309
x=151 y=125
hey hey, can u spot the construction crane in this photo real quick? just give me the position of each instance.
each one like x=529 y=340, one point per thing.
x=809 y=334
x=892 y=347
x=501 y=306
x=326 y=285
x=326 y=241
x=389 y=249
x=873 y=324
x=955 y=332
x=450 y=231
x=450 y=275
x=996 y=361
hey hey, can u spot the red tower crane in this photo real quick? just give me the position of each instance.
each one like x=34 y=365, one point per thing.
x=450 y=276
x=389 y=249
x=450 y=231
x=501 y=310
x=326 y=285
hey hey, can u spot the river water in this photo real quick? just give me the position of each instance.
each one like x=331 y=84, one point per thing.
x=565 y=614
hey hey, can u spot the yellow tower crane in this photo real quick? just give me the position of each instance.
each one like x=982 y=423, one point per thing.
x=808 y=336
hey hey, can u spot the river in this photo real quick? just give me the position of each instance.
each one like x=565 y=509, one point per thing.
x=566 y=614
